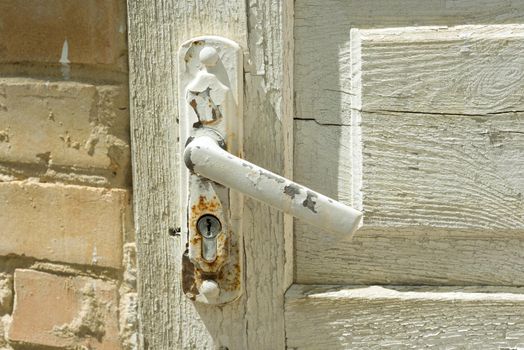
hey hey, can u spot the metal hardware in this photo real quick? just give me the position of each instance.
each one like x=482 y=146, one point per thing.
x=210 y=105
x=209 y=227
x=208 y=159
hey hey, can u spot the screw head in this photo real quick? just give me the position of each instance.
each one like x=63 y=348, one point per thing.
x=210 y=290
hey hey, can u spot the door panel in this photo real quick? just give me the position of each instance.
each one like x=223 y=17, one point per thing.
x=428 y=256
x=322 y=81
x=441 y=122
x=428 y=116
x=404 y=318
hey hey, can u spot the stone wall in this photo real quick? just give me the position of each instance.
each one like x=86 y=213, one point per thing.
x=67 y=252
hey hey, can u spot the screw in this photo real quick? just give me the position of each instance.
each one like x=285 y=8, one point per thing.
x=210 y=290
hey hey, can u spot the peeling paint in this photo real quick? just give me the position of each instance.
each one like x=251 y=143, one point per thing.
x=310 y=201
x=272 y=176
x=271 y=188
x=244 y=164
x=292 y=190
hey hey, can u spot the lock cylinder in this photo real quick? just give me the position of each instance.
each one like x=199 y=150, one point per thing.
x=209 y=227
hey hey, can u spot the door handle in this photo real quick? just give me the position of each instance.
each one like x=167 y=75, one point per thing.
x=215 y=178
x=205 y=157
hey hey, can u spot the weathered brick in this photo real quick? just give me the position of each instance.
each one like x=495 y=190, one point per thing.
x=64 y=311
x=5 y=321
x=35 y=31
x=63 y=223
x=129 y=321
x=65 y=127
x=6 y=293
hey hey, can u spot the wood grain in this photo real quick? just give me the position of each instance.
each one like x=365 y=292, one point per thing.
x=471 y=70
x=320 y=158
x=441 y=201
x=331 y=317
x=443 y=171
x=418 y=255
x=322 y=48
x=168 y=320
x=430 y=139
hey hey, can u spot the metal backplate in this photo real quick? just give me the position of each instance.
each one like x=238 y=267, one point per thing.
x=210 y=103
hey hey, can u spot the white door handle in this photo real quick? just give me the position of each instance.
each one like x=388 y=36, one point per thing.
x=212 y=186
x=205 y=157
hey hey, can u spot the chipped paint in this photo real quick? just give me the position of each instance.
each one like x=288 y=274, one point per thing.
x=210 y=103
x=211 y=161
x=272 y=176
x=204 y=107
x=292 y=190
x=310 y=201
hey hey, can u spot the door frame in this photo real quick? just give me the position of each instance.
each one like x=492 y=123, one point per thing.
x=169 y=320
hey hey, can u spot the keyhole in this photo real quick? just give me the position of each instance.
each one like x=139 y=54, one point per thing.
x=209 y=226
x=208 y=220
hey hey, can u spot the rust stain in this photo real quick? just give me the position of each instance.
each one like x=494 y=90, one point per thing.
x=225 y=269
x=204 y=99
x=196 y=240
x=229 y=274
x=188 y=277
x=205 y=206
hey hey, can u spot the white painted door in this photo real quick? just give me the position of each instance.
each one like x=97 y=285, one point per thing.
x=410 y=110
x=413 y=111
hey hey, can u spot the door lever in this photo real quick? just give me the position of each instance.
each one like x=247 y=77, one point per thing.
x=212 y=184
x=205 y=157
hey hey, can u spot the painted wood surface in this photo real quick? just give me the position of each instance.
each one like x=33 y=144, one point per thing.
x=322 y=42
x=464 y=70
x=156 y=29
x=425 y=131
x=374 y=317
x=410 y=256
x=477 y=250
x=441 y=126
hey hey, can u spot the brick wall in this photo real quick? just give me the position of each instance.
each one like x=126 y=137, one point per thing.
x=67 y=253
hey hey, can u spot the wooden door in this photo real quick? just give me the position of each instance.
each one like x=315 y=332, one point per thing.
x=413 y=112
x=409 y=110
x=169 y=320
